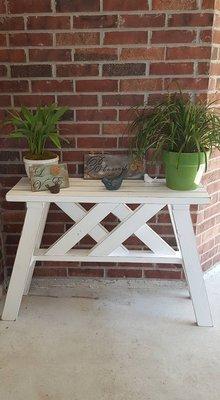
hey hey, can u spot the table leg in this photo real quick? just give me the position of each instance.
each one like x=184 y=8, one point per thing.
x=23 y=261
x=187 y=243
x=37 y=246
x=177 y=241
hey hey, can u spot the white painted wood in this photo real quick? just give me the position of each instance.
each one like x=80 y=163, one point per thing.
x=134 y=256
x=187 y=243
x=77 y=212
x=24 y=257
x=109 y=247
x=93 y=191
x=80 y=229
x=147 y=235
x=170 y=209
x=125 y=229
x=46 y=207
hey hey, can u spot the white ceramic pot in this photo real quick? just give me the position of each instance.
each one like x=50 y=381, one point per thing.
x=28 y=163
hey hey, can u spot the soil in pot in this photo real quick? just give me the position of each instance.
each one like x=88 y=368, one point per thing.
x=184 y=171
x=47 y=155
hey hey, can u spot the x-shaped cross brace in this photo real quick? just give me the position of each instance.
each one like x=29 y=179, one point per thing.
x=132 y=222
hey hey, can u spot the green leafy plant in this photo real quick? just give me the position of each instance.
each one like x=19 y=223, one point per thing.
x=37 y=128
x=175 y=125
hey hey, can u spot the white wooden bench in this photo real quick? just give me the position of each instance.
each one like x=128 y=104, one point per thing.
x=109 y=247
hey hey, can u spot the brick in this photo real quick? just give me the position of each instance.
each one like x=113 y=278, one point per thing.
x=45 y=271
x=33 y=100
x=96 y=54
x=2 y=7
x=113 y=129
x=184 y=52
x=142 y=20
x=83 y=129
x=12 y=169
x=95 y=21
x=126 y=115
x=217 y=21
x=214 y=187
x=12 y=55
x=96 y=115
x=216 y=36
x=77 y=38
x=50 y=55
x=104 y=85
x=173 y=36
x=77 y=70
x=97 y=143
x=125 y=5
x=214 y=68
x=174 y=5
x=8 y=143
x=73 y=156
x=208 y=255
x=13 y=86
x=77 y=5
x=68 y=116
x=122 y=100
x=78 y=100
x=162 y=274
x=3 y=70
x=187 y=83
x=3 y=42
x=142 y=85
x=124 y=69
x=88 y=272
x=187 y=19
x=21 y=71
x=11 y=23
x=13 y=216
x=203 y=69
x=214 y=54
x=171 y=68
x=29 y=6
x=163 y=229
x=30 y=39
x=124 y=273
x=126 y=37
x=206 y=36
x=9 y=156
x=5 y=101
x=210 y=4
x=48 y=22
x=52 y=86
x=153 y=53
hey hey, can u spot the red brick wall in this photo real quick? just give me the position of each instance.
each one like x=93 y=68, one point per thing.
x=208 y=221
x=99 y=57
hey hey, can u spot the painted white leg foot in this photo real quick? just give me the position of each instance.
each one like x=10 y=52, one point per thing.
x=37 y=246
x=29 y=238
x=187 y=243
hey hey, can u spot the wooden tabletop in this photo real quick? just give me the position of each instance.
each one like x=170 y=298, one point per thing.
x=93 y=191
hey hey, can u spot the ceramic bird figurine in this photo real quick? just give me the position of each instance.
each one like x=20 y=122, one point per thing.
x=114 y=182
x=54 y=188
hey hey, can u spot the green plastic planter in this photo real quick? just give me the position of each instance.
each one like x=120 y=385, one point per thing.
x=184 y=171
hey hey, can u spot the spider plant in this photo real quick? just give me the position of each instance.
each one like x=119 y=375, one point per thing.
x=176 y=126
x=38 y=128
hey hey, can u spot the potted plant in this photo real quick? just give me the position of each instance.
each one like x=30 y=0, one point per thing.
x=38 y=128
x=183 y=132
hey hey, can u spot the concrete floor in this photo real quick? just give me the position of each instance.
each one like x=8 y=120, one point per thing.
x=114 y=340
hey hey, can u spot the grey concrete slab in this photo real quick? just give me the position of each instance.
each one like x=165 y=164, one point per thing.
x=110 y=340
